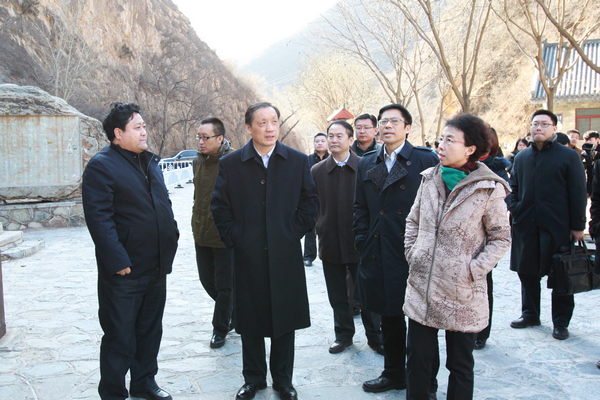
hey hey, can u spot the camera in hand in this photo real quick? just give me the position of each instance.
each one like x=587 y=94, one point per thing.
x=588 y=154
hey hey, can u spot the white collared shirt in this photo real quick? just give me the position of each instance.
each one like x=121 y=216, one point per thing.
x=390 y=159
x=341 y=163
x=266 y=157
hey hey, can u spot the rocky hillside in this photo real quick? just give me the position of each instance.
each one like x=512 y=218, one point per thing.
x=92 y=52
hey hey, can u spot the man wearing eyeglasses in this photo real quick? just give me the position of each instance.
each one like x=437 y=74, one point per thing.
x=214 y=259
x=387 y=181
x=547 y=204
x=365 y=126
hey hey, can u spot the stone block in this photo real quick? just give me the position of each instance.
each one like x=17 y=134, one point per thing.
x=13 y=226
x=35 y=225
x=23 y=216
x=41 y=216
x=57 y=222
x=50 y=144
x=62 y=212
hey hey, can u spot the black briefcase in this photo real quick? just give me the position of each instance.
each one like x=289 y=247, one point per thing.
x=573 y=271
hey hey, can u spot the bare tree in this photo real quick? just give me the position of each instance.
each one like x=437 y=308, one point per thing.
x=70 y=62
x=568 y=29
x=180 y=94
x=455 y=39
x=526 y=19
x=329 y=81
x=376 y=33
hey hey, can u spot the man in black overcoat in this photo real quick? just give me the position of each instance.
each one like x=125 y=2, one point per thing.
x=386 y=185
x=129 y=216
x=263 y=202
x=547 y=205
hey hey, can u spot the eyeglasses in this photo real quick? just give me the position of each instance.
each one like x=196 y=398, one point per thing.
x=205 y=138
x=363 y=128
x=394 y=121
x=542 y=124
x=449 y=141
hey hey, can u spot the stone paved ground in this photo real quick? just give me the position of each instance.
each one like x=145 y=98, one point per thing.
x=51 y=348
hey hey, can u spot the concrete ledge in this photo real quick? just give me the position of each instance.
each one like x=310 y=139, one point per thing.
x=24 y=249
x=10 y=239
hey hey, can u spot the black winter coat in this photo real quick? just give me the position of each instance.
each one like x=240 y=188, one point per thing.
x=381 y=204
x=548 y=200
x=263 y=213
x=335 y=187
x=129 y=218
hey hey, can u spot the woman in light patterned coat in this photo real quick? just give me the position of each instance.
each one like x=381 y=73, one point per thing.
x=456 y=232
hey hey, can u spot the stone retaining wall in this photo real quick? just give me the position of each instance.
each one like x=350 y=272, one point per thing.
x=58 y=214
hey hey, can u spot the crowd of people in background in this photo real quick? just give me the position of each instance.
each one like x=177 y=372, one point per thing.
x=408 y=237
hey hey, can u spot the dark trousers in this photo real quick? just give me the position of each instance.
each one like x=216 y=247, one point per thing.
x=562 y=306
x=215 y=267
x=393 y=330
x=281 y=360
x=310 y=246
x=337 y=291
x=130 y=313
x=371 y=321
x=485 y=334
x=423 y=362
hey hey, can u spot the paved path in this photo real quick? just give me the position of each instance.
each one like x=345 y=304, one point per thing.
x=51 y=348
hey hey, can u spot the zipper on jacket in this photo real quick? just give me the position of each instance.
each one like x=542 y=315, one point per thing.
x=437 y=229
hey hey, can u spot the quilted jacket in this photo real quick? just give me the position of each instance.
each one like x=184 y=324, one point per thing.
x=451 y=243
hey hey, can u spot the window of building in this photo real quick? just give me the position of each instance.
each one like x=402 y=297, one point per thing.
x=588 y=119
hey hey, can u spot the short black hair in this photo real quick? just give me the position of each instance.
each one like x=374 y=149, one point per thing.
x=118 y=117
x=217 y=125
x=249 y=116
x=548 y=113
x=476 y=133
x=574 y=131
x=346 y=125
x=562 y=138
x=591 y=135
x=405 y=114
x=366 y=116
x=319 y=134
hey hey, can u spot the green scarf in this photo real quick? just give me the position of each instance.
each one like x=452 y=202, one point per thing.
x=452 y=176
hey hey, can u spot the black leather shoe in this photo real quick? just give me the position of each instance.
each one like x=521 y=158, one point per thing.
x=480 y=344
x=560 y=333
x=248 y=391
x=286 y=393
x=523 y=323
x=383 y=384
x=216 y=341
x=307 y=263
x=598 y=364
x=156 y=394
x=339 y=345
x=378 y=347
x=355 y=311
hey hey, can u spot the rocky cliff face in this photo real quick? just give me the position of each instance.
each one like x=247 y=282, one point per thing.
x=93 y=52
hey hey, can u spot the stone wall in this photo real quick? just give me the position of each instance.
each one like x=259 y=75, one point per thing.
x=58 y=214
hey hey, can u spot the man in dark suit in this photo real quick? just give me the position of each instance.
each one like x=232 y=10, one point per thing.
x=129 y=216
x=387 y=181
x=321 y=153
x=547 y=204
x=335 y=179
x=263 y=202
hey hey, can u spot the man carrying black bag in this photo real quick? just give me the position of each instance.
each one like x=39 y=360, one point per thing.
x=547 y=204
